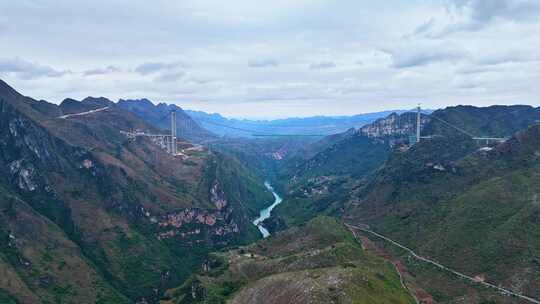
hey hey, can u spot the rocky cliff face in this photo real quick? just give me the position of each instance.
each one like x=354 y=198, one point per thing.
x=129 y=220
x=394 y=128
x=199 y=225
x=38 y=249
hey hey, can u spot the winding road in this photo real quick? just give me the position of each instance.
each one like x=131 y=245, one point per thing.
x=505 y=291
x=83 y=113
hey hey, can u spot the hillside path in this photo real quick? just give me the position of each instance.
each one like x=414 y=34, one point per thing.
x=505 y=291
x=83 y=113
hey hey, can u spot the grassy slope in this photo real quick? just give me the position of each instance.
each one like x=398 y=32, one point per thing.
x=479 y=216
x=318 y=262
x=40 y=264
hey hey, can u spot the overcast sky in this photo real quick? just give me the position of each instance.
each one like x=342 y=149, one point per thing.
x=279 y=58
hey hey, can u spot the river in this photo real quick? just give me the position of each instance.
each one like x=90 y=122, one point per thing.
x=265 y=213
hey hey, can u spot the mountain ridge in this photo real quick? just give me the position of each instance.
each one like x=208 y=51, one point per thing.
x=139 y=218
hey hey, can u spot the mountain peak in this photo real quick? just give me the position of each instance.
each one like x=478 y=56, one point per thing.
x=68 y=100
x=142 y=101
x=7 y=91
x=71 y=106
x=99 y=101
x=170 y=106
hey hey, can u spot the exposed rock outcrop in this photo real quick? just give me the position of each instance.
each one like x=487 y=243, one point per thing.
x=394 y=128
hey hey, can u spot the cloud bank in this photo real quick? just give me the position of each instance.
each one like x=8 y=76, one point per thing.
x=278 y=58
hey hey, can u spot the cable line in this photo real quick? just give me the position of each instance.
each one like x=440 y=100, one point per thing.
x=452 y=126
x=258 y=133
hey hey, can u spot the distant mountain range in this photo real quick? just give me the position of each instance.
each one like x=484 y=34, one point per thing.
x=316 y=125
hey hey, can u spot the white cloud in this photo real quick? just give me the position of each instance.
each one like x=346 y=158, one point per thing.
x=170 y=76
x=155 y=67
x=425 y=27
x=417 y=54
x=101 y=71
x=264 y=63
x=243 y=57
x=28 y=70
x=487 y=10
x=322 y=65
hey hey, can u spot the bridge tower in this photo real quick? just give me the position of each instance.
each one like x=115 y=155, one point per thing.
x=173 y=133
x=418 y=122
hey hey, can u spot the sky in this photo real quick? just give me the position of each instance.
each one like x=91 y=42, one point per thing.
x=275 y=59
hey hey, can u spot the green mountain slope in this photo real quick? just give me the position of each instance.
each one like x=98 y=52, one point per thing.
x=140 y=219
x=493 y=121
x=319 y=178
x=40 y=264
x=472 y=210
x=319 y=262
x=321 y=184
